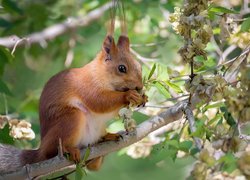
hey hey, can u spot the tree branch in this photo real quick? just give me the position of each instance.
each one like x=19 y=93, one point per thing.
x=56 y=164
x=55 y=30
x=190 y=117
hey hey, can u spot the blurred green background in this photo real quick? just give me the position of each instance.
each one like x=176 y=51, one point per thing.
x=30 y=66
x=124 y=167
x=24 y=72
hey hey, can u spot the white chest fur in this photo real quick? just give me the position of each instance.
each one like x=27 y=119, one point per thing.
x=93 y=124
x=94 y=127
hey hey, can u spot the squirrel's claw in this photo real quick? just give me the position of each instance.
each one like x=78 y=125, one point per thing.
x=145 y=100
x=74 y=153
x=111 y=137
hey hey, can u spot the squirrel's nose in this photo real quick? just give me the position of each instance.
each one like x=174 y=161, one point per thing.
x=138 y=88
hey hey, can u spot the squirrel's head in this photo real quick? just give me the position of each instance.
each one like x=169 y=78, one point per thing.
x=121 y=67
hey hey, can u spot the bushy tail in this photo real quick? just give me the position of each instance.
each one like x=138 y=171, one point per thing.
x=12 y=158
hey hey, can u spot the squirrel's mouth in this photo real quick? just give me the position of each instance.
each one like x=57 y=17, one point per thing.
x=122 y=89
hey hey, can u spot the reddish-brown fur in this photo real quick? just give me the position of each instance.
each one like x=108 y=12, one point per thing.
x=99 y=88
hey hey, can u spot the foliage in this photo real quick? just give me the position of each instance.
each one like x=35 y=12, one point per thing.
x=212 y=38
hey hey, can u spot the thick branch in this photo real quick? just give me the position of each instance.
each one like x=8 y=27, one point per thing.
x=142 y=130
x=55 y=30
x=172 y=114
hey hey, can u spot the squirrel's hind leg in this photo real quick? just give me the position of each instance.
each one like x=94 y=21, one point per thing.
x=68 y=129
x=95 y=164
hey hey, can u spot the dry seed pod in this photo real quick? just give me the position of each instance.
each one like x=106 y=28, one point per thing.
x=21 y=129
x=244 y=164
x=126 y=115
x=3 y=121
x=24 y=124
x=13 y=122
x=130 y=125
x=140 y=149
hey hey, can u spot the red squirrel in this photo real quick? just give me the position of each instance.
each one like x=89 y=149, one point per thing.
x=75 y=105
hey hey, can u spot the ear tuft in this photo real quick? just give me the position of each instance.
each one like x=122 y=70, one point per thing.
x=108 y=45
x=123 y=42
x=110 y=38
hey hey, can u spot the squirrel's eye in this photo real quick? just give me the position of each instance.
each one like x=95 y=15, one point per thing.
x=122 y=69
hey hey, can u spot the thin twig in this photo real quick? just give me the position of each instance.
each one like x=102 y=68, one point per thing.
x=60 y=148
x=231 y=72
x=228 y=51
x=16 y=44
x=190 y=117
x=55 y=30
x=217 y=47
x=27 y=168
x=155 y=106
x=179 y=76
x=144 y=59
x=245 y=137
x=245 y=51
x=70 y=53
x=5 y=104
x=180 y=80
x=141 y=58
x=174 y=98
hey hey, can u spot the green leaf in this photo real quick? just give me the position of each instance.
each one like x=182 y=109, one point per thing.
x=4 y=88
x=160 y=152
x=230 y=120
x=158 y=148
x=5 y=138
x=152 y=71
x=214 y=105
x=86 y=155
x=154 y=22
x=80 y=172
x=139 y=117
x=174 y=86
x=209 y=133
x=11 y=7
x=219 y=9
x=5 y=57
x=163 y=90
x=216 y=30
x=229 y=162
x=172 y=153
x=200 y=129
x=185 y=145
x=194 y=151
x=228 y=116
x=216 y=118
x=245 y=26
x=4 y=23
x=173 y=143
x=122 y=151
x=211 y=15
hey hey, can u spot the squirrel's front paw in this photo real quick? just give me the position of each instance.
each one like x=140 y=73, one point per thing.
x=134 y=98
x=74 y=153
x=145 y=99
x=111 y=137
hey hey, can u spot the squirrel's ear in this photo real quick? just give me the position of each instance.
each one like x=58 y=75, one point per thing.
x=108 y=45
x=123 y=42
